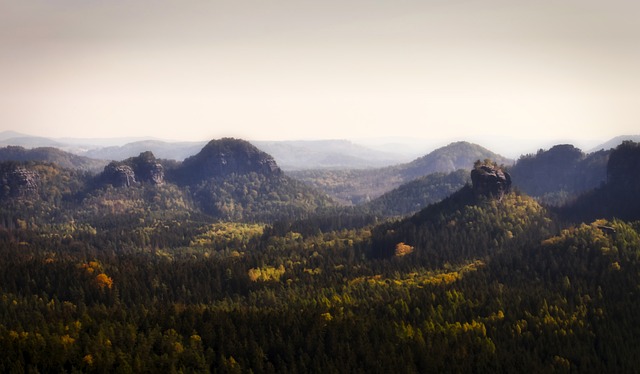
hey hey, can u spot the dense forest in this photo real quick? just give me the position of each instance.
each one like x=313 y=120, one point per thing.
x=558 y=175
x=129 y=272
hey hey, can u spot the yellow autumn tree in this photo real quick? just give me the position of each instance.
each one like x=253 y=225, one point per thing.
x=103 y=280
x=403 y=249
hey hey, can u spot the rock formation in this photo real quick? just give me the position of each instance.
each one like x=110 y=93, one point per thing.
x=18 y=182
x=225 y=157
x=147 y=168
x=119 y=175
x=142 y=169
x=489 y=180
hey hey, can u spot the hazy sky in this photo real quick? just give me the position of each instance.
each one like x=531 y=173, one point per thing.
x=436 y=69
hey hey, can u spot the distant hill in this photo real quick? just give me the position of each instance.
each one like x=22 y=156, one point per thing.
x=291 y=155
x=5 y=135
x=327 y=154
x=165 y=150
x=360 y=186
x=615 y=142
x=79 y=146
x=231 y=179
x=458 y=155
x=31 y=142
x=559 y=173
x=223 y=157
x=52 y=155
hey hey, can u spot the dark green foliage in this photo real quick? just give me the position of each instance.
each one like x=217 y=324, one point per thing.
x=560 y=173
x=623 y=168
x=620 y=196
x=532 y=303
x=440 y=233
x=257 y=197
x=419 y=193
x=49 y=196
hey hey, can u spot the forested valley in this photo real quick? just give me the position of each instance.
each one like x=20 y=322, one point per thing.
x=223 y=263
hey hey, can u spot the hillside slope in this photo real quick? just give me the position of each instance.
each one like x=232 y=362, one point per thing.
x=417 y=194
x=560 y=173
x=619 y=197
x=53 y=155
x=360 y=186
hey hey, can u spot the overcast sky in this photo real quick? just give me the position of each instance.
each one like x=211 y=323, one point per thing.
x=284 y=69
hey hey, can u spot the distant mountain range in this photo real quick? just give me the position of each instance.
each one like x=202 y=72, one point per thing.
x=615 y=142
x=161 y=149
x=233 y=179
x=344 y=170
x=327 y=154
x=290 y=155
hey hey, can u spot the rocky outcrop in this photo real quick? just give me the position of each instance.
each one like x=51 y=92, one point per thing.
x=225 y=157
x=142 y=169
x=147 y=168
x=18 y=182
x=119 y=175
x=152 y=173
x=489 y=180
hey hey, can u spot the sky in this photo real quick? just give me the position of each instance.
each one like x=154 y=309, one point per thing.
x=349 y=69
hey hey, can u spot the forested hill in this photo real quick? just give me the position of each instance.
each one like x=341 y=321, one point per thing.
x=229 y=179
x=619 y=197
x=223 y=157
x=560 y=173
x=471 y=223
x=360 y=186
x=458 y=155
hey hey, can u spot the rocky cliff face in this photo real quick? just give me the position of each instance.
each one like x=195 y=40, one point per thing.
x=489 y=180
x=147 y=168
x=142 y=169
x=119 y=175
x=225 y=157
x=18 y=182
